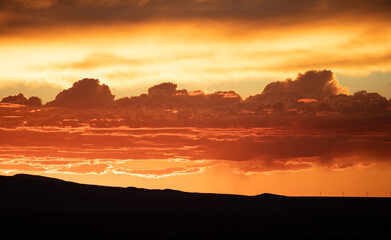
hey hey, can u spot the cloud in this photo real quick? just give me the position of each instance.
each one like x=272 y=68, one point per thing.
x=347 y=62
x=87 y=12
x=313 y=100
x=23 y=167
x=251 y=150
x=159 y=173
x=87 y=168
x=86 y=93
x=33 y=4
x=312 y=88
x=29 y=89
x=163 y=89
x=22 y=100
x=166 y=96
x=97 y=60
x=311 y=84
x=290 y=126
x=256 y=167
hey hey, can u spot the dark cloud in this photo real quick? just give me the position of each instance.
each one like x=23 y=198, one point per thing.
x=163 y=89
x=166 y=96
x=22 y=100
x=86 y=93
x=17 y=86
x=312 y=88
x=311 y=84
x=32 y=13
x=16 y=99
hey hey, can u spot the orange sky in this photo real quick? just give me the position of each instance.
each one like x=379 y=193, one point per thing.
x=214 y=45
x=153 y=158
x=295 y=137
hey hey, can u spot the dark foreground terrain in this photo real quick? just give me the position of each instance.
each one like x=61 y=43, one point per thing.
x=34 y=207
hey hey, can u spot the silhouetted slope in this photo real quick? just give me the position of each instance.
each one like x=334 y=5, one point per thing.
x=34 y=207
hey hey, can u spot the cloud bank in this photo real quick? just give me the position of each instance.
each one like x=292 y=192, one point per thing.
x=188 y=150
x=43 y=13
x=313 y=100
x=290 y=125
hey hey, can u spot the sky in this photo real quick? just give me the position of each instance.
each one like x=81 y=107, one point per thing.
x=245 y=97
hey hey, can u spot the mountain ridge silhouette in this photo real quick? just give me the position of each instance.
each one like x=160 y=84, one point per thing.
x=36 y=207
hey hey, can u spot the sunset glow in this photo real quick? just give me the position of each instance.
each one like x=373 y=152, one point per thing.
x=199 y=95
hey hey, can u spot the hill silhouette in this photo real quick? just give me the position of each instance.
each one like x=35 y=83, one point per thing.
x=35 y=207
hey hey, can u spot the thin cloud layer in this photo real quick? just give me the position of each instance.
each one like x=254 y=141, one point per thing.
x=159 y=173
x=32 y=5
x=247 y=151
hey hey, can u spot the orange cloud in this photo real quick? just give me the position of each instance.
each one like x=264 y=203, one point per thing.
x=86 y=93
x=59 y=13
x=98 y=60
x=141 y=52
x=84 y=169
x=311 y=84
x=22 y=100
x=32 y=5
x=159 y=173
x=292 y=125
x=272 y=150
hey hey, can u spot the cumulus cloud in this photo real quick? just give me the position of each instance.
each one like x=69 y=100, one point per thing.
x=311 y=84
x=22 y=100
x=310 y=92
x=86 y=93
x=163 y=89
